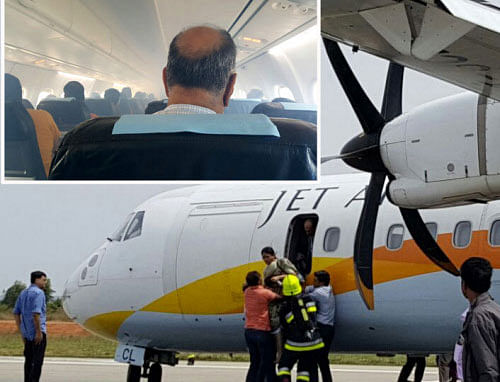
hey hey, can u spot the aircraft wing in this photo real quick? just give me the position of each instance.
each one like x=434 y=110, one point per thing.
x=455 y=40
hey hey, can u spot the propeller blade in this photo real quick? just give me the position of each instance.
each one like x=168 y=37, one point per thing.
x=393 y=93
x=363 y=244
x=369 y=117
x=426 y=242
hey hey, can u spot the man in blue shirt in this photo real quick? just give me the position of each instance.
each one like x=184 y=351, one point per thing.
x=30 y=316
x=322 y=294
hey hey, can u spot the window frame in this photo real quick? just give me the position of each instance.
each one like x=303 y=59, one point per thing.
x=455 y=230
x=490 y=231
x=389 y=232
x=127 y=234
x=326 y=235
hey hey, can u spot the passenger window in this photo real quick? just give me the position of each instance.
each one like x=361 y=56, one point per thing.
x=395 y=236
x=283 y=92
x=118 y=234
x=331 y=241
x=135 y=227
x=495 y=233
x=462 y=234
x=433 y=229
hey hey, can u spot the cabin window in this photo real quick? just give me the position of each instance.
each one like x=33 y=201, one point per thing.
x=118 y=234
x=495 y=233
x=395 y=236
x=300 y=241
x=462 y=234
x=135 y=227
x=331 y=241
x=283 y=92
x=433 y=229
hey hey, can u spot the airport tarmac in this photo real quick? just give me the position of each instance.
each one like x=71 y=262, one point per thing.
x=89 y=370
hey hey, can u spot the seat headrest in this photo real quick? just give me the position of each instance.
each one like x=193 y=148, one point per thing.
x=215 y=124
x=240 y=106
x=13 y=89
x=293 y=110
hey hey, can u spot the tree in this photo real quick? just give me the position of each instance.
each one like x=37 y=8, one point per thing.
x=49 y=292
x=13 y=293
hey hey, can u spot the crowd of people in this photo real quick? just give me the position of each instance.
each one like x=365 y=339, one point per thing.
x=287 y=323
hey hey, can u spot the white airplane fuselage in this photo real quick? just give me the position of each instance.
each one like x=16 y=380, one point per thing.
x=178 y=285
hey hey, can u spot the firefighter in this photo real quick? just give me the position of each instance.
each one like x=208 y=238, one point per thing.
x=300 y=332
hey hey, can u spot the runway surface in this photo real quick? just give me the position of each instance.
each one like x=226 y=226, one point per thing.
x=90 y=370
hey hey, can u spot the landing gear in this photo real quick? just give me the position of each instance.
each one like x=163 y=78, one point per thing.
x=134 y=373
x=154 y=374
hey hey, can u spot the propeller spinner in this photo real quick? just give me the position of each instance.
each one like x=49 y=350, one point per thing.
x=363 y=152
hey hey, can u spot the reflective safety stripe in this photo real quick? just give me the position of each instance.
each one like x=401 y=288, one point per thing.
x=312 y=309
x=289 y=318
x=304 y=348
x=303 y=376
x=284 y=371
x=301 y=302
x=305 y=316
x=311 y=303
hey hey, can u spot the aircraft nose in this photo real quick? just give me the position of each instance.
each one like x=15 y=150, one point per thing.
x=70 y=295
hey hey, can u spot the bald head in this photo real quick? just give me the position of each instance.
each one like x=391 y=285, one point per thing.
x=201 y=58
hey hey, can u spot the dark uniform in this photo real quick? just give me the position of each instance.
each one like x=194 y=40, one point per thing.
x=302 y=338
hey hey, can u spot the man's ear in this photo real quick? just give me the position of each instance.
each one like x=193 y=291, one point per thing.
x=164 y=76
x=228 y=92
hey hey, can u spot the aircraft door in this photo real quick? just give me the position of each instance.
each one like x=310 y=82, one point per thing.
x=213 y=256
x=300 y=242
x=90 y=272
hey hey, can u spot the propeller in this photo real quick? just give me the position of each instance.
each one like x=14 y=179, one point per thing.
x=363 y=152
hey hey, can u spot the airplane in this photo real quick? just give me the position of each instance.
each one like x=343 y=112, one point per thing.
x=124 y=44
x=170 y=277
x=430 y=157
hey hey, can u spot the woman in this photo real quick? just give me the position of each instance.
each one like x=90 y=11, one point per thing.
x=258 y=336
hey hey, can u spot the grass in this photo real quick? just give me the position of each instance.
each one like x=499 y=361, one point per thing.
x=53 y=314
x=96 y=347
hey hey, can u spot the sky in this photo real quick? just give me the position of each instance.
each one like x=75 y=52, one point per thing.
x=54 y=227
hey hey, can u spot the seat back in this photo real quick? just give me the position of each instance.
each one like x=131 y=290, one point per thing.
x=22 y=154
x=304 y=112
x=156 y=106
x=240 y=106
x=186 y=147
x=67 y=112
x=101 y=107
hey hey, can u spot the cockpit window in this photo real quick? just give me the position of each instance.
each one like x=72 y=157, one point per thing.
x=135 y=227
x=118 y=234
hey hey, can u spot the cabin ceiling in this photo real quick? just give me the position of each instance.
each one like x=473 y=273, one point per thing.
x=126 y=41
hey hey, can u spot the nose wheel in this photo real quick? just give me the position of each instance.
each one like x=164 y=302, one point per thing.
x=153 y=373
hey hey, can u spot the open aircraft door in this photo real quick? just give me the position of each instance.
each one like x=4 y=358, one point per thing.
x=213 y=256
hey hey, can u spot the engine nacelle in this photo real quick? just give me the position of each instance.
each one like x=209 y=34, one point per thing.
x=444 y=153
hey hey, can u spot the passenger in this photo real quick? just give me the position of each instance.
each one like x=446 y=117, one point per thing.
x=303 y=255
x=411 y=361
x=281 y=99
x=480 y=357
x=321 y=293
x=446 y=367
x=124 y=104
x=301 y=335
x=257 y=329
x=47 y=133
x=255 y=94
x=30 y=315
x=113 y=96
x=274 y=272
x=199 y=77
x=74 y=89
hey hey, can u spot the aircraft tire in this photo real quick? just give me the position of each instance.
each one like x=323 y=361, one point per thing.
x=134 y=373
x=155 y=373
